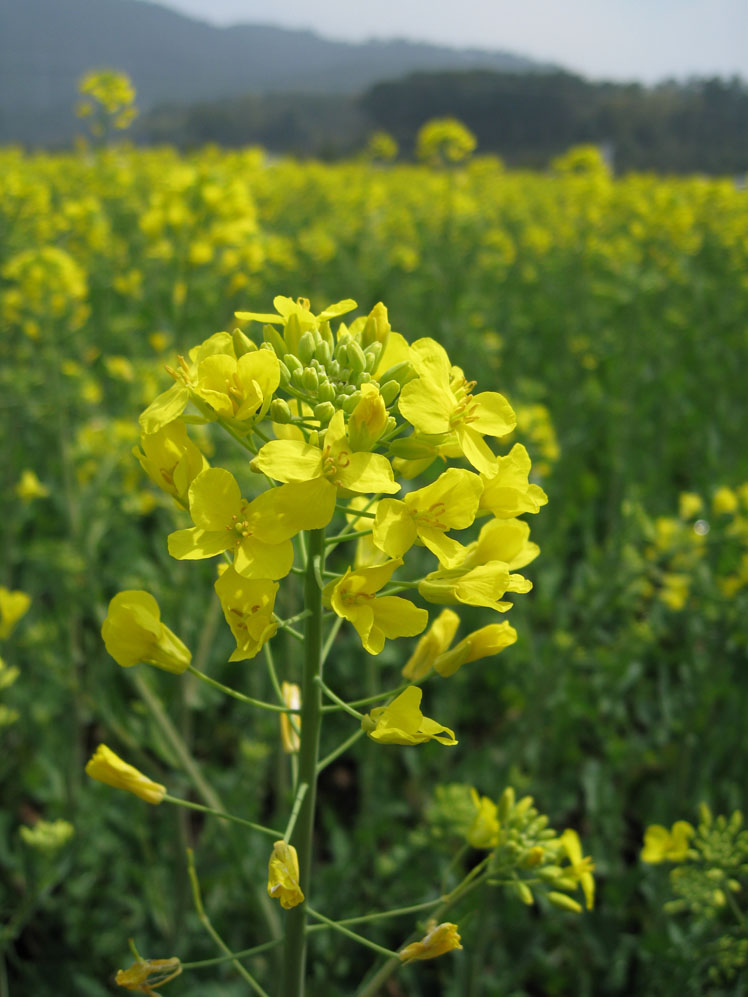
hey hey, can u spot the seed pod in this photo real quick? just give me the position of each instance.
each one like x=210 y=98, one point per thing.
x=279 y=411
x=305 y=350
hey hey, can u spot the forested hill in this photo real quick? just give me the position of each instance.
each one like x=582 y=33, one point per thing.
x=700 y=126
x=46 y=45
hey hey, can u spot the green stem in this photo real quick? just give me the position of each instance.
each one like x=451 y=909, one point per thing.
x=336 y=699
x=239 y=695
x=376 y=982
x=337 y=752
x=205 y=921
x=380 y=915
x=223 y=816
x=242 y=954
x=371 y=699
x=337 y=926
x=311 y=722
x=301 y=793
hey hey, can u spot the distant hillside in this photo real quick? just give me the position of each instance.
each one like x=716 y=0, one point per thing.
x=46 y=45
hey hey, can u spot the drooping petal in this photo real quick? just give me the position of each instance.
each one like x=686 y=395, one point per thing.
x=165 y=408
x=449 y=551
x=475 y=448
x=194 y=544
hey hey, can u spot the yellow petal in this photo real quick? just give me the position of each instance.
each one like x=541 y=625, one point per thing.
x=288 y=460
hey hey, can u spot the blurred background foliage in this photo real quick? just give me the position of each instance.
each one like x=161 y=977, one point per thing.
x=613 y=312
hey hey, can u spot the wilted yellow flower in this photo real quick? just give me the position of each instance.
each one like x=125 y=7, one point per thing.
x=107 y=767
x=283 y=875
x=13 y=605
x=439 y=938
x=661 y=845
x=30 y=487
x=401 y=722
x=292 y=699
x=133 y=633
x=145 y=974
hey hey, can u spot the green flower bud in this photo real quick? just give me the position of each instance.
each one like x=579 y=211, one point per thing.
x=297 y=377
x=365 y=378
x=326 y=392
x=524 y=892
x=563 y=902
x=271 y=335
x=242 y=343
x=322 y=352
x=292 y=362
x=279 y=411
x=351 y=401
x=341 y=354
x=389 y=392
x=399 y=372
x=347 y=389
x=292 y=333
x=305 y=350
x=285 y=374
x=373 y=352
x=325 y=332
x=506 y=804
x=356 y=358
x=309 y=379
x=324 y=411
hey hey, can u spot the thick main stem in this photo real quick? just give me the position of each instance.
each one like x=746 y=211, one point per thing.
x=311 y=721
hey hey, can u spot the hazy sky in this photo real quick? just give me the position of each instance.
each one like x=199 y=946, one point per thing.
x=615 y=39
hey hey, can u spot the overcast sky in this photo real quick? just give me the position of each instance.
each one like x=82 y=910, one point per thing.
x=615 y=39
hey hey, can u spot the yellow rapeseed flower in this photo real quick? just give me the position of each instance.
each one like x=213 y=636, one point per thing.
x=375 y=618
x=29 y=487
x=145 y=974
x=401 y=722
x=661 y=845
x=483 y=643
x=13 y=605
x=440 y=402
x=427 y=514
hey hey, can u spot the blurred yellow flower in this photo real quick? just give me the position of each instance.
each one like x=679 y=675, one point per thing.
x=661 y=845
x=30 y=487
